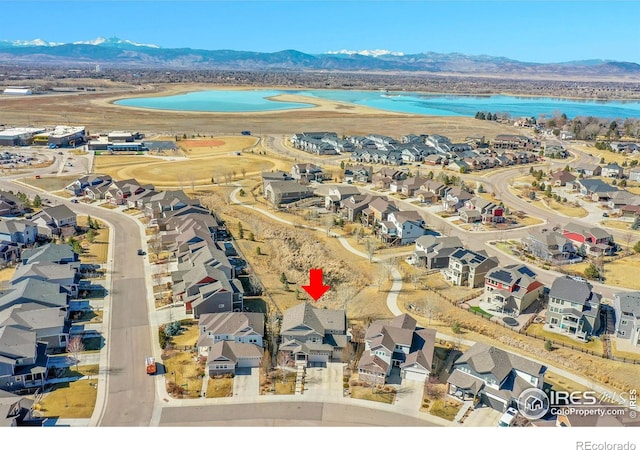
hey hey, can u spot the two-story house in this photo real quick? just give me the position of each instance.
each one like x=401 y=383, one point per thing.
x=574 y=309
x=512 y=289
x=493 y=377
x=312 y=335
x=590 y=241
x=627 y=316
x=23 y=360
x=550 y=246
x=433 y=252
x=612 y=170
x=242 y=335
x=119 y=192
x=10 y=204
x=358 y=174
x=454 y=199
x=377 y=211
x=485 y=211
x=56 y=220
x=402 y=227
x=397 y=343
x=19 y=231
x=307 y=172
x=468 y=268
x=337 y=194
x=91 y=180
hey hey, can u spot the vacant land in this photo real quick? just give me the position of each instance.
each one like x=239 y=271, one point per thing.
x=218 y=146
x=50 y=183
x=620 y=272
x=564 y=208
x=184 y=373
x=373 y=394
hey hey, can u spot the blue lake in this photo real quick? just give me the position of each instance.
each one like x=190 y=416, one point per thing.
x=403 y=102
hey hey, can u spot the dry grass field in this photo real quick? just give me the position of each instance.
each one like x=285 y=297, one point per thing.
x=218 y=146
x=219 y=387
x=566 y=209
x=75 y=400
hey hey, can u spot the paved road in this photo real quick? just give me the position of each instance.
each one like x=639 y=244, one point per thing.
x=130 y=392
x=285 y=413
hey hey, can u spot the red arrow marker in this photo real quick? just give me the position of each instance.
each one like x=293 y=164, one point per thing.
x=316 y=289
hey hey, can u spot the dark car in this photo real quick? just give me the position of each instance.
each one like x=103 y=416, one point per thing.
x=141 y=252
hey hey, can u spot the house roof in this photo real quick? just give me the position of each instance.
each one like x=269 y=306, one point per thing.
x=49 y=253
x=629 y=303
x=15 y=225
x=232 y=323
x=43 y=271
x=58 y=212
x=16 y=343
x=317 y=319
x=485 y=359
x=33 y=290
x=288 y=187
x=373 y=363
x=571 y=289
x=598 y=233
x=232 y=351
x=31 y=317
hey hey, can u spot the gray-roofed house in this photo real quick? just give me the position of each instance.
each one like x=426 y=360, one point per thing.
x=204 y=289
x=590 y=240
x=226 y=357
x=432 y=252
x=612 y=170
x=627 y=317
x=91 y=180
x=574 y=309
x=19 y=231
x=65 y=275
x=397 y=344
x=49 y=323
x=313 y=336
x=38 y=292
x=51 y=253
x=337 y=194
x=550 y=246
x=56 y=220
x=16 y=410
x=23 y=361
x=493 y=377
x=10 y=204
x=278 y=192
x=468 y=268
x=512 y=289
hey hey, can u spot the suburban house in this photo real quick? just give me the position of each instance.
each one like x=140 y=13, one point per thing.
x=468 y=268
x=493 y=377
x=513 y=142
x=10 y=204
x=88 y=181
x=407 y=186
x=337 y=194
x=402 y=227
x=455 y=198
x=56 y=220
x=385 y=176
x=357 y=174
x=306 y=172
x=627 y=308
x=23 y=360
x=16 y=410
x=377 y=211
x=488 y=211
x=612 y=170
x=550 y=246
x=352 y=207
x=313 y=335
x=51 y=253
x=574 y=309
x=231 y=340
x=278 y=192
x=589 y=170
x=119 y=192
x=226 y=357
x=64 y=275
x=49 y=323
x=590 y=241
x=205 y=289
x=634 y=174
x=561 y=178
x=512 y=289
x=433 y=252
x=276 y=175
x=9 y=252
x=397 y=343
x=19 y=231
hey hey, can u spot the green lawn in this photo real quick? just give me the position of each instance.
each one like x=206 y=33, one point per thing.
x=481 y=311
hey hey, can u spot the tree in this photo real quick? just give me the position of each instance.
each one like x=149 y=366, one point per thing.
x=91 y=235
x=636 y=223
x=456 y=328
x=547 y=191
x=370 y=247
x=240 y=231
x=481 y=189
x=284 y=281
x=37 y=201
x=532 y=195
x=75 y=245
x=592 y=272
x=75 y=347
x=252 y=236
x=258 y=251
x=342 y=165
x=328 y=222
x=636 y=247
x=548 y=346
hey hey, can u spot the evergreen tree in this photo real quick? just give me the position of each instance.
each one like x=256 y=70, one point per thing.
x=37 y=201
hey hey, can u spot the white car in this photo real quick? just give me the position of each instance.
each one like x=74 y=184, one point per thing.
x=508 y=417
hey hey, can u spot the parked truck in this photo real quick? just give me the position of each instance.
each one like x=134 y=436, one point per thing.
x=151 y=365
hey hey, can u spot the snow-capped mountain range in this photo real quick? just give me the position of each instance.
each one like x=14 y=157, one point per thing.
x=116 y=52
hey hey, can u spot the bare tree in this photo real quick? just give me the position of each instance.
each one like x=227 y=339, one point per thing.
x=277 y=198
x=284 y=363
x=75 y=347
x=628 y=237
x=228 y=177
x=243 y=171
x=370 y=246
x=380 y=274
x=359 y=232
x=430 y=308
x=389 y=265
x=155 y=243
x=192 y=180
x=328 y=222
x=345 y=293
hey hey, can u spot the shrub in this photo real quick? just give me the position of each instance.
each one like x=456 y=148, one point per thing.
x=548 y=346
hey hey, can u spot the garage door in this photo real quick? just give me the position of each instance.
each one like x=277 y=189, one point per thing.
x=319 y=358
x=493 y=402
x=414 y=375
x=248 y=362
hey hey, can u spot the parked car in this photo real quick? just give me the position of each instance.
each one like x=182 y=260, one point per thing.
x=141 y=252
x=605 y=215
x=508 y=417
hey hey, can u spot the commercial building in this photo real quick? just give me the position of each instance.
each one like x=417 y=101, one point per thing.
x=19 y=136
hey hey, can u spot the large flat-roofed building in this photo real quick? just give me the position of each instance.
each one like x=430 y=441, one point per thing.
x=121 y=136
x=67 y=136
x=19 y=136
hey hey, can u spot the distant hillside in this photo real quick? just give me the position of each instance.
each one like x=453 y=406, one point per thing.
x=114 y=52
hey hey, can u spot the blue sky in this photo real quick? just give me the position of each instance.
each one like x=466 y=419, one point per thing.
x=535 y=31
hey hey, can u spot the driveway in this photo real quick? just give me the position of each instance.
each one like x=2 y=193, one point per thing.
x=409 y=396
x=246 y=383
x=324 y=382
x=483 y=417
